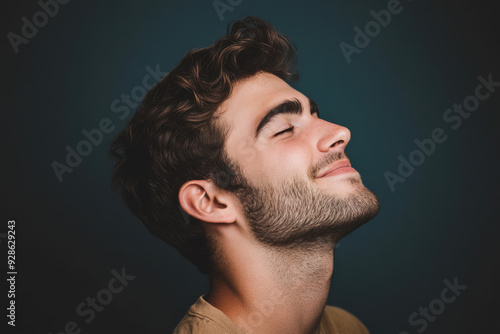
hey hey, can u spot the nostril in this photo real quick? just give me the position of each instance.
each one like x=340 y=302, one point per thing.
x=338 y=142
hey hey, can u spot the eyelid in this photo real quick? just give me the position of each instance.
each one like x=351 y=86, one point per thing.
x=284 y=131
x=292 y=127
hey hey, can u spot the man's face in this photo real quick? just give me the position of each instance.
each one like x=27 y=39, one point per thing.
x=284 y=199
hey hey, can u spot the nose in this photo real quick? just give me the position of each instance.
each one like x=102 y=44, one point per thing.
x=332 y=137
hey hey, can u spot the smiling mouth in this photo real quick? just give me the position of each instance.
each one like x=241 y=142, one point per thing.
x=338 y=168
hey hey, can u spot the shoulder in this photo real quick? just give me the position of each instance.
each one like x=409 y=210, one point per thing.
x=203 y=318
x=336 y=319
x=194 y=324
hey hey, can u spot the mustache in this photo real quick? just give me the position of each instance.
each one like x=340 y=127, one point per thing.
x=327 y=161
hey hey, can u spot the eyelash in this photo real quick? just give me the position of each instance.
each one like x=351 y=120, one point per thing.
x=284 y=131
x=289 y=129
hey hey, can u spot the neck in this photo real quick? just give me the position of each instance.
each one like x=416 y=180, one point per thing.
x=273 y=290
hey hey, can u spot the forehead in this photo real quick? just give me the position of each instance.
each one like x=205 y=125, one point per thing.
x=250 y=99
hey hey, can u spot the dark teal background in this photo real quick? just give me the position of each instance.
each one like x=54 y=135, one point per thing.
x=441 y=223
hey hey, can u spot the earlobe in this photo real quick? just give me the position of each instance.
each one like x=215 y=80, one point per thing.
x=201 y=200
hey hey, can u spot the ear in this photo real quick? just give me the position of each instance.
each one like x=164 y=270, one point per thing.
x=202 y=200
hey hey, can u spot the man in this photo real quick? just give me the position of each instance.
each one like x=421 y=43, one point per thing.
x=234 y=168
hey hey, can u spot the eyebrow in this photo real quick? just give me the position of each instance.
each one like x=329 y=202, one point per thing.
x=293 y=107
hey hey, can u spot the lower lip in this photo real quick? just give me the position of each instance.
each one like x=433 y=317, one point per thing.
x=340 y=171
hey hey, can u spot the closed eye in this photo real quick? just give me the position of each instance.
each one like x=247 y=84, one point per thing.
x=284 y=131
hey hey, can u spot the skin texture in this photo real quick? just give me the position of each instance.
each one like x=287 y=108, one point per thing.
x=274 y=238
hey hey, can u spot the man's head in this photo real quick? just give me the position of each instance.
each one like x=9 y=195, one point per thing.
x=201 y=140
x=279 y=149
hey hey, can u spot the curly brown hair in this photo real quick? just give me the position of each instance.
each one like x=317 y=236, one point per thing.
x=175 y=135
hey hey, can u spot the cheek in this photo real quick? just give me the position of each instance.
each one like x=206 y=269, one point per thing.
x=291 y=158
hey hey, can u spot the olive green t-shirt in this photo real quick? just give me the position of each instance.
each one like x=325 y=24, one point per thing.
x=203 y=318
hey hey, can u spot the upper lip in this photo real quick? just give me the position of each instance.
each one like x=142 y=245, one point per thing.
x=337 y=165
